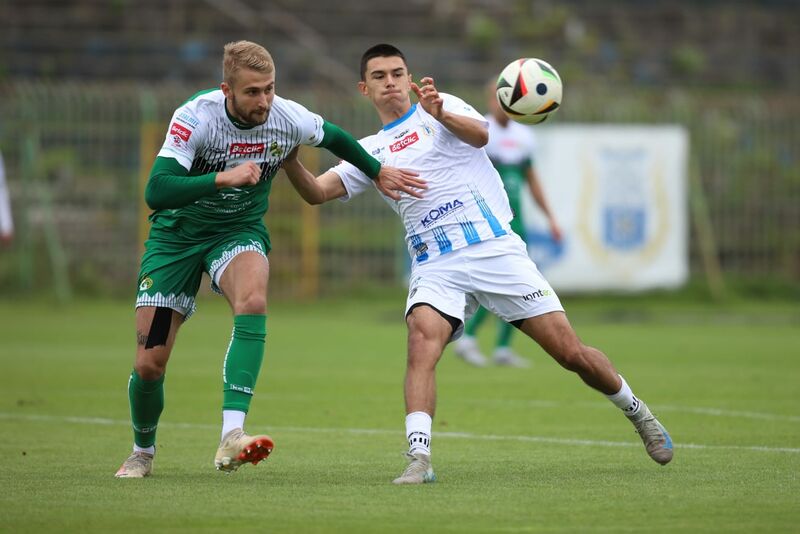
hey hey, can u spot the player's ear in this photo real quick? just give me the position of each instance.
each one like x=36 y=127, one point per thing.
x=362 y=88
x=226 y=89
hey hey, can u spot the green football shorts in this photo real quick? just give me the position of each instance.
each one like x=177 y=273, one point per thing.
x=172 y=268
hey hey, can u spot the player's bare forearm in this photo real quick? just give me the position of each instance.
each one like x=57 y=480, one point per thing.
x=468 y=130
x=304 y=182
x=538 y=196
x=314 y=190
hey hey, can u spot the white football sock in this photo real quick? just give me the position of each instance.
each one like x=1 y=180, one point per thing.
x=149 y=450
x=232 y=419
x=418 y=431
x=625 y=400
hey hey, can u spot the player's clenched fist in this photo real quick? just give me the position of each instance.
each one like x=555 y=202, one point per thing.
x=244 y=174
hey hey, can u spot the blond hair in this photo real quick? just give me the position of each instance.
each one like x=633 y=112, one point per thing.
x=245 y=55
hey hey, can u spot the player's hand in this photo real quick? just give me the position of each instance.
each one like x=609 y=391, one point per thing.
x=428 y=97
x=241 y=175
x=555 y=230
x=392 y=181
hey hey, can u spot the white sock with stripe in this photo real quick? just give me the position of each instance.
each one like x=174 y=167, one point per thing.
x=418 y=431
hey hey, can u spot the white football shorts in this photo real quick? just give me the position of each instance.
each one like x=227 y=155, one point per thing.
x=497 y=274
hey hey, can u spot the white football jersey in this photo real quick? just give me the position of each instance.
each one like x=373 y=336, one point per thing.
x=465 y=202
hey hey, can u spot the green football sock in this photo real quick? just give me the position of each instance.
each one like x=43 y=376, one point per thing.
x=147 y=402
x=475 y=321
x=243 y=361
x=504 y=332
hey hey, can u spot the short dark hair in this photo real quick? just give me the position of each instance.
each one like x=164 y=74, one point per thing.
x=379 y=50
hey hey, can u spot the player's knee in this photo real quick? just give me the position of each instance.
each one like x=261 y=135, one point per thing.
x=150 y=369
x=254 y=303
x=572 y=356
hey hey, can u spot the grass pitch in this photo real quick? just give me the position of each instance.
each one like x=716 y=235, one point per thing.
x=529 y=450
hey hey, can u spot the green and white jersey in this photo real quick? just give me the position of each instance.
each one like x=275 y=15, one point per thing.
x=204 y=138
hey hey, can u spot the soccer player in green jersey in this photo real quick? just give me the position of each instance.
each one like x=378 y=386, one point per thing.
x=511 y=149
x=209 y=190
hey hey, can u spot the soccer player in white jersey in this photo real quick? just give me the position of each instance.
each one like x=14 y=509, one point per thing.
x=209 y=189
x=462 y=248
x=6 y=220
x=511 y=149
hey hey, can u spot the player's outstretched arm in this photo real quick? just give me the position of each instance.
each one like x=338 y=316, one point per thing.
x=389 y=181
x=470 y=131
x=314 y=190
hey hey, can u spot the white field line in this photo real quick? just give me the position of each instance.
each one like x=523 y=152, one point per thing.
x=657 y=408
x=452 y=435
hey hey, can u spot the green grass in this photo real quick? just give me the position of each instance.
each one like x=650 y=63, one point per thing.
x=528 y=450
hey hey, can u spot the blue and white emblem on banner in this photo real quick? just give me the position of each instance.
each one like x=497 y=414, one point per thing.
x=624 y=227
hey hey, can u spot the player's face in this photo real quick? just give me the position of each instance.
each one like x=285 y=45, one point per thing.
x=250 y=96
x=387 y=82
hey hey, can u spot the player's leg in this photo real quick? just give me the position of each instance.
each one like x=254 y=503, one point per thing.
x=243 y=281
x=168 y=281
x=556 y=336
x=156 y=328
x=503 y=353
x=435 y=311
x=429 y=330
x=526 y=300
x=466 y=347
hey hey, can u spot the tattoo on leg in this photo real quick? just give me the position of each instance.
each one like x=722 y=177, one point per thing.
x=141 y=338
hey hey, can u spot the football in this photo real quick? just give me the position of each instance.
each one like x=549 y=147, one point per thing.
x=529 y=90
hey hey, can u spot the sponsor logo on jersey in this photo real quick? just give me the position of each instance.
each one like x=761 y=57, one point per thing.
x=401 y=134
x=187 y=118
x=246 y=149
x=404 y=142
x=537 y=294
x=179 y=133
x=442 y=211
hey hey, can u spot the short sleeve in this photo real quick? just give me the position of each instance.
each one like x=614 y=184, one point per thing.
x=453 y=104
x=355 y=181
x=309 y=123
x=183 y=137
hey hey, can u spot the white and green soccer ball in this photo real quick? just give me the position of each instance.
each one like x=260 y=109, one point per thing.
x=529 y=90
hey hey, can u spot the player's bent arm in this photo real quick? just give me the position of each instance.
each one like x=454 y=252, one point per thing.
x=313 y=190
x=471 y=131
x=170 y=185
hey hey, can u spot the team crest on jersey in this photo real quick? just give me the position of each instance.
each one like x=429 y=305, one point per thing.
x=146 y=284
x=427 y=129
x=404 y=142
x=247 y=149
x=275 y=150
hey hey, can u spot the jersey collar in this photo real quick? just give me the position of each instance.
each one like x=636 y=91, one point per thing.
x=401 y=119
